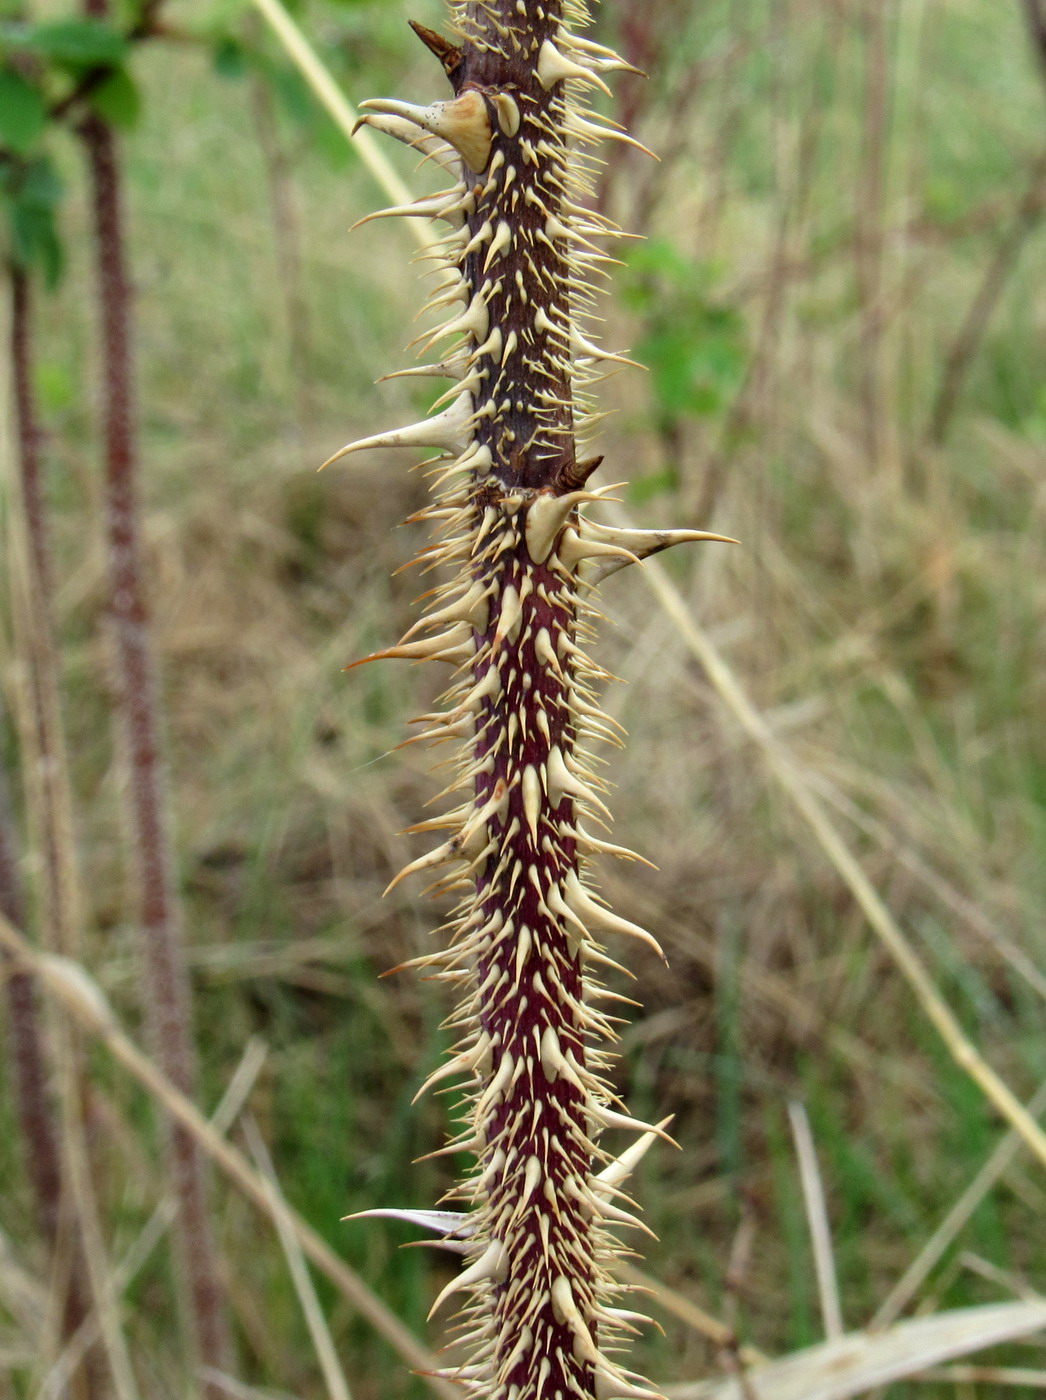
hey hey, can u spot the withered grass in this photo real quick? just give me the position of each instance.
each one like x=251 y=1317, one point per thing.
x=884 y=617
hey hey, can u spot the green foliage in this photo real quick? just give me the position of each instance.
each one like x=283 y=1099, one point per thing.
x=72 y=44
x=30 y=194
x=230 y=57
x=694 y=344
x=117 y=99
x=23 y=112
x=36 y=61
x=235 y=58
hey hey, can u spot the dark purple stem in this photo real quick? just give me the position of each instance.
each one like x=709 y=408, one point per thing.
x=28 y=1046
x=28 y=1059
x=166 y=990
x=30 y=435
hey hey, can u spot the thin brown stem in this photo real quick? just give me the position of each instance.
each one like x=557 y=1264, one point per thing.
x=166 y=991
x=30 y=435
x=45 y=777
x=287 y=238
x=28 y=1057
x=1001 y=267
x=43 y=739
x=959 y=360
x=869 y=225
x=1035 y=14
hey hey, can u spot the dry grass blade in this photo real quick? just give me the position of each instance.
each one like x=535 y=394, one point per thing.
x=77 y=1171
x=323 y=1343
x=794 y=784
x=239 y=1390
x=57 y=1380
x=955 y=902
x=21 y=1294
x=861 y=1361
x=913 y=1277
x=987 y=1375
x=817 y=1220
x=327 y=91
x=689 y=1313
x=81 y=996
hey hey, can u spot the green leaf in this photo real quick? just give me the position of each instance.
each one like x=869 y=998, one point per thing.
x=40 y=184
x=31 y=194
x=55 y=386
x=294 y=95
x=646 y=488
x=34 y=240
x=23 y=114
x=78 y=43
x=117 y=99
x=229 y=58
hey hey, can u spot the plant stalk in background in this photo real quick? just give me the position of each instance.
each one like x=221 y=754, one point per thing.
x=28 y=1060
x=25 y=1030
x=166 y=990
x=54 y=1131
x=510 y=483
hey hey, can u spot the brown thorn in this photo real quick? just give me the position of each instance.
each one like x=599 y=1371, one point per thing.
x=449 y=54
x=575 y=474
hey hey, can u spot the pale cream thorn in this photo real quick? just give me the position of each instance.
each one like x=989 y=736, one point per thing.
x=601 y=58
x=453 y=367
x=500 y=244
x=448 y=430
x=464 y=122
x=431 y=146
x=435 y=206
x=508 y=114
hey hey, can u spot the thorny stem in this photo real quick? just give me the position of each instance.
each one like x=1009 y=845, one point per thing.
x=45 y=771
x=166 y=990
x=523 y=942
x=44 y=738
x=27 y=1047
x=29 y=432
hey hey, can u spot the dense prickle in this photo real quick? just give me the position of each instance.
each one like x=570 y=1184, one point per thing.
x=513 y=620
x=518 y=258
x=529 y=1003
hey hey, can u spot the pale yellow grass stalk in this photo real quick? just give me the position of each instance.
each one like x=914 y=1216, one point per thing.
x=817 y=1220
x=56 y=1381
x=788 y=774
x=319 y=1332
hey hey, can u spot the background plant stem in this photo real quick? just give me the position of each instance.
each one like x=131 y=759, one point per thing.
x=166 y=991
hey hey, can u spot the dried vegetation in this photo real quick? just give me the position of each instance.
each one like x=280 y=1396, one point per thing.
x=832 y=384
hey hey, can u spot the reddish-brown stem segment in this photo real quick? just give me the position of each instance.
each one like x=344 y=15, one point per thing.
x=44 y=747
x=42 y=1156
x=36 y=1118
x=166 y=991
x=44 y=758
x=533 y=971
x=25 y=1033
x=532 y=436
x=29 y=432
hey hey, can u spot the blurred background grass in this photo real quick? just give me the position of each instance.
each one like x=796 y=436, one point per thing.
x=838 y=180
